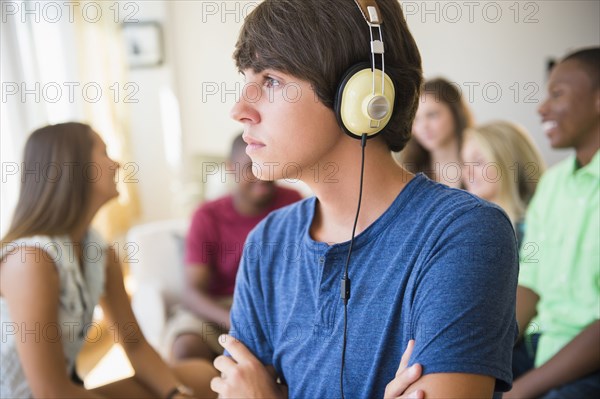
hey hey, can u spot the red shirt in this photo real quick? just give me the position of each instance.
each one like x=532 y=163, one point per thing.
x=217 y=235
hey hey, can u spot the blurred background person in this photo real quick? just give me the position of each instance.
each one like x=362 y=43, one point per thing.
x=501 y=164
x=55 y=269
x=559 y=280
x=213 y=251
x=441 y=119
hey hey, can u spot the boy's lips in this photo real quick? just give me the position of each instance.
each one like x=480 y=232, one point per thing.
x=253 y=144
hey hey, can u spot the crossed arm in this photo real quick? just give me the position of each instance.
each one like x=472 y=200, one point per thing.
x=243 y=375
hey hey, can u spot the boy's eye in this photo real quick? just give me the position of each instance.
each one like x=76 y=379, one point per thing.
x=271 y=82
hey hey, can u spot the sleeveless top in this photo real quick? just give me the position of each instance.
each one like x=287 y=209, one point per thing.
x=79 y=294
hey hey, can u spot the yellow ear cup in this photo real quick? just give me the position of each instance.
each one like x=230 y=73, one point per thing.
x=361 y=111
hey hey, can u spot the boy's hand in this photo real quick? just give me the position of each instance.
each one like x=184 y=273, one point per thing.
x=405 y=377
x=243 y=375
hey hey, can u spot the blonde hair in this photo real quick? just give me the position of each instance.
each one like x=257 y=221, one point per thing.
x=521 y=165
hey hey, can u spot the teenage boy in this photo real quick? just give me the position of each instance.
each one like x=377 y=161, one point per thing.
x=560 y=272
x=428 y=262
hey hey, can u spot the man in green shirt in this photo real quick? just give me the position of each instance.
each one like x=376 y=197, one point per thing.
x=558 y=297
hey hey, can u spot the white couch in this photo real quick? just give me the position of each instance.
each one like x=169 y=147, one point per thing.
x=156 y=270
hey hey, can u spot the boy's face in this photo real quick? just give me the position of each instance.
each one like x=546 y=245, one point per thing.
x=287 y=129
x=570 y=112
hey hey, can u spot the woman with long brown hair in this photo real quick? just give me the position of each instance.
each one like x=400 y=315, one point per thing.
x=437 y=130
x=54 y=270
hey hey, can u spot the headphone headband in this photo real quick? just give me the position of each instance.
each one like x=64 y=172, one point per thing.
x=370 y=11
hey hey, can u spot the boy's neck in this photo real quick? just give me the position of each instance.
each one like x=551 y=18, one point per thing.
x=337 y=201
x=584 y=152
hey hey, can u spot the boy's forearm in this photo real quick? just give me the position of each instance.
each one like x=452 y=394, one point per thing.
x=454 y=385
x=577 y=359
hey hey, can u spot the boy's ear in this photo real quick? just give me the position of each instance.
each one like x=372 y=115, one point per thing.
x=598 y=100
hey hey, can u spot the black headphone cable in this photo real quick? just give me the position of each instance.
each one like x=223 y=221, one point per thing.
x=345 y=283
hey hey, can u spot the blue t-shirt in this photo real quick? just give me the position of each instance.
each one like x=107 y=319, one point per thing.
x=439 y=266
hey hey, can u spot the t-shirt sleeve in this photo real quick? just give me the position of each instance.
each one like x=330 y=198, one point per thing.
x=201 y=242
x=463 y=318
x=248 y=322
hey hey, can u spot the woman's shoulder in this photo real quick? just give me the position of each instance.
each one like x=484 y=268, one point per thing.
x=30 y=262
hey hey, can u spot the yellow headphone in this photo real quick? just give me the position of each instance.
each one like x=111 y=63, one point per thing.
x=365 y=96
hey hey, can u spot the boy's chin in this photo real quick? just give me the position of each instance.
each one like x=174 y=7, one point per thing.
x=266 y=170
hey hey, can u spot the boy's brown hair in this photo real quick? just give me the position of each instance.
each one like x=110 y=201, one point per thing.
x=318 y=40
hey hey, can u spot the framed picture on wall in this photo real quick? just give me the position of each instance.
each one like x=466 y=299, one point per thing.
x=144 y=44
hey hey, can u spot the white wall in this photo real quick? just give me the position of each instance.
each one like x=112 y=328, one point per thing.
x=204 y=35
x=157 y=179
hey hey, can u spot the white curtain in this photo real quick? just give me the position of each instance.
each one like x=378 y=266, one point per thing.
x=25 y=70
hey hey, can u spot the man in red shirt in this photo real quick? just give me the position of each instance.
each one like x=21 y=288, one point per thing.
x=212 y=254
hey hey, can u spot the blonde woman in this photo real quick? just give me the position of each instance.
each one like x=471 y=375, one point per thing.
x=501 y=164
x=54 y=270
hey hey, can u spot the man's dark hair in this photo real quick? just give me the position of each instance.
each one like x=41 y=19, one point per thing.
x=318 y=41
x=589 y=58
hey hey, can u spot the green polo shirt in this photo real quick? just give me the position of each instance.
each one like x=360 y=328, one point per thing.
x=560 y=256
